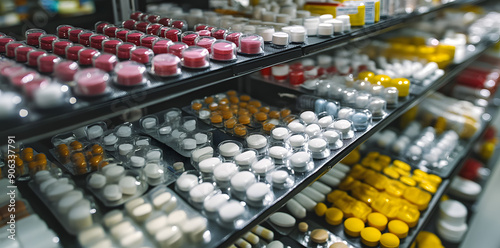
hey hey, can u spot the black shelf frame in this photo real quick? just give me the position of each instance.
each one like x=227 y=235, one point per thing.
x=45 y=124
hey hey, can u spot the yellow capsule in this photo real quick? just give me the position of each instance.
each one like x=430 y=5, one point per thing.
x=391 y=172
x=420 y=172
x=403 y=86
x=408 y=213
x=335 y=195
x=402 y=165
x=384 y=160
x=408 y=181
x=378 y=181
x=427 y=186
x=402 y=172
x=357 y=172
x=418 y=197
x=352 y=158
x=436 y=180
x=395 y=188
x=372 y=155
x=387 y=205
x=383 y=80
x=366 y=161
x=366 y=75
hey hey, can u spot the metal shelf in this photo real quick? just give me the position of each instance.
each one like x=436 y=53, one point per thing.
x=41 y=125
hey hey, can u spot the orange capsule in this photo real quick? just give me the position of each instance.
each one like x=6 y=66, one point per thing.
x=234 y=99
x=268 y=126
x=230 y=123
x=77 y=156
x=97 y=149
x=80 y=164
x=33 y=165
x=223 y=107
x=64 y=153
x=19 y=162
x=76 y=145
x=224 y=101
x=274 y=114
x=240 y=130
x=231 y=93
x=27 y=156
x=244 y=98
x=40 y=157
x=28 y=150
x=285 y=112
x=252 y=109
x=244 y=119
x=104 y=163
x=255 y=103
x=243 y=104
x=260 y=116
x=213 y=106
x=209 y=100
x=227 y=114
x=216 y=119
x=94 y=162
x=62 y=147
x=264 y=109
x=243 y=112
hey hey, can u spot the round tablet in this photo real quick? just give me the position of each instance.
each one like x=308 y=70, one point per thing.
x=202 y=153
x=344 y=126
x=377 y=220
x=189 y=144
x=452 y=211
x=137 y=161
x=186 y=181
x=165 y=130
x=124 y=131
x=279 y=133
x=224 y=171
x=313 y=130
x=317 y=145
x=282 y=219
x=389 y=240
x=319 y=236
x=153 y=155
x=112 y=192
x=149 y=123
x=262 y=166
x=279 y=176
x=208 y=165
x=278 y=152
x=303 y=227
x=245 y=158
x=353 y=226
x=94 y=132
x=331 y=136
x=213 y=203
x=153 y=171
x=308 y=117
x=142 y=142
x=124 y=149
x=257 y=191
x=370 y=236
x=68 y=200
x=110 y=139
x=275 y=244
x=229 y=149
x=256 y=141
x=242 y=180
x=128 y=185
x=324 y=122
x=201 y=138
x=399 y=228
x=296 y=127
x=297 y=140
x=231 y=211
x=190 y=125
x=97 y=181
x=113 y=173
x=199 y=192
x=299 y=160
x=79 y=217
x=338 y=245
x=333 y=216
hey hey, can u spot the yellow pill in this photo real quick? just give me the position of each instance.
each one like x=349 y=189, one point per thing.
x=398 y=228
x=403 y=86
x=417 y=197
x=377 y=220
x=402 y=165
x=366 y=75
x=389 y=240
x=391 y=172
x=402 y=172
x=408 y=181
x=353 y=226
x=334 y=216
x=420 y=173
x=434 y=179
x=427 y=186
x=320 y=209
x=370 y=236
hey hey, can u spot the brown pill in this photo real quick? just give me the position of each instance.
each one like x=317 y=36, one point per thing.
x=97 y=149
x=95 y=161
x=265 y=109
x=62 y=147
x=234 y=100
x=75 y=145
x=274 y=114
x=243 y=104
x=339 y=245
x=227 y=114
x=244 y=119
x=216 y=119
x=64 y=153
x=243 y=112
x=33 y=165
x=240 y=130
x=77 y=156
x=213 y=106
x=27 y=156
x=285 y=112
x=260 y=116
x=231 y=93
x=223 y=107
x=19 y=162
x=28 y=150
x=303 y=227
x=319 y=236
x=40 y=156
x=268 y=127
x=209 y=100
x=224 y=101
x=230 y=123
x=252 y=109
x=244 y=98
x=255 y=103
x=196 y=106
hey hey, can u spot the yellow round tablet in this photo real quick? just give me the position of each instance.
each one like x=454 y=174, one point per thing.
x=334 y=216
x=353 y=226
x=370 y=236
x=320 y=209
x=377 y=220
x=389 y=240
x=398 y=228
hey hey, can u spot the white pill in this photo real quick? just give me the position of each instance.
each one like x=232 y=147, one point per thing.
x=110 y=139
x=313 y=194
x=177 y=134
x=256 y=141
x=156 y=224
x=165 y=130
x=231 y=211
x=153 y=155
x=344 y=126
x=142 y=212
x=79 y=217
x=190 y=125
x=44 y=185
x=342 y=167
x=189 y=144
x=215 y=202
x=161 y=199
x=325 y=121
x=122 y=229
x=329 y=180
x=89 y=236
x=278 y=152
x=242 y=180
x=279 y=133
x=201 y=138
x=137 y=162
x=112 y=218
x=245 y=158
x=453 y=212
x=321 y=187
x=169 y=237
x=134 y=239
x=177 y=217
x=132 y=204
x=42 y=176
x=317 y=145
x=337 y=174
x=257 y=191
x=97 y=181
x=142 y=142
x=464 y=188
x=279 y=176
x=124 y=149
x=202 y=153
x=95 y=131
x=345 y=113
x=225 y=171
x=68 y=200
x=308 y=117
x=208 y=165
x=313 y=130
x=229 y=149
x=331 y=136
x=153 y=171
x=149 y=123
x=305 y=201
x=112 y=192
x=199 y=192
x=282 y=219
x=275 y=244
x=186 y=181
x=204 y=114
x=128 y=185
x=55 y=193
x=124 y=131
x=262 y=166
x=101 y=243
x=296 y=127
x=296 y=209
x=114 y=173
x=297 y=140
x=194 y=228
